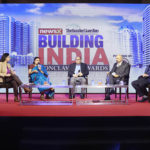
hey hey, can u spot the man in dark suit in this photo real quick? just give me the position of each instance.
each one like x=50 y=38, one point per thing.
x=141 y=83
x=119 y=72
x=77 y=72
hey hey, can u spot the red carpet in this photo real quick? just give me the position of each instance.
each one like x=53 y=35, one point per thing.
x=15 y=109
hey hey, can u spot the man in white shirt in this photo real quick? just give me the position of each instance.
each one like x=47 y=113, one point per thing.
x=77 y=72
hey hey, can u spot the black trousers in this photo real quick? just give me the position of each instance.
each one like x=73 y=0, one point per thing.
x=15 y=82
x=140 y=85
x=112 y=80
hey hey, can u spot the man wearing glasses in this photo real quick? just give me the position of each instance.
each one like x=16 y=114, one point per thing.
x=77 y=73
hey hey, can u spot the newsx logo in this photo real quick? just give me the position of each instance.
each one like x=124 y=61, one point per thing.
x=69 y=45
x=50 y=31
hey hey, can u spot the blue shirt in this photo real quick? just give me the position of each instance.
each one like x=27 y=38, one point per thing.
x=77 y=69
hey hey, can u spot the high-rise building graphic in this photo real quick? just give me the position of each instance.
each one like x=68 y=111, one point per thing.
x=128 y=42
x=4 y=34
x=12 y=34
x=17 y=38
x=146 y=35
x=115 y=42
x=25 y=39
x=33 y=38
x=139 y=48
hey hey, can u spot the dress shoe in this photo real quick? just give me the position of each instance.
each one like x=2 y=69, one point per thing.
x=82 y=96
x=16 y=99
x=143 y=99
x=107 y=97
x=27 y=90
x=71 y=96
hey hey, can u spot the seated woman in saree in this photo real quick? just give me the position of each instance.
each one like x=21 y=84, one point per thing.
x=39 y=76
x=9 y=76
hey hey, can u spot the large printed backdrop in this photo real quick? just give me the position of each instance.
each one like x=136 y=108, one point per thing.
x=57 y=33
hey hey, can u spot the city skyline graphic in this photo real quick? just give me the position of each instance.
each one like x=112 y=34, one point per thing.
x=19 y=37
x=125 y=29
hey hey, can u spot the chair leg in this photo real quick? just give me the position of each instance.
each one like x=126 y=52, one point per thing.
x=127 y=92
x=20 y=93
x=86 y=88
x=136 y=96
x=69 y=91
x=6 y=94
x=120 y=93
x=149 y=94
x=30 y=94
x=86 y=93
x=115 y=92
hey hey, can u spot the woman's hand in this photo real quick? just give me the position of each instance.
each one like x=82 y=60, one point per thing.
x=34 y=71
x=41 y=71
x=7 y=75
x=13 y=72
x=52 y=89
x=39 y=68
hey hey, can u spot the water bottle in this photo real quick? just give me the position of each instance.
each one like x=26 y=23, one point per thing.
x=100 y=82
x=92 y=82
x=107 y=80
x=121 y=83
x=39 y=66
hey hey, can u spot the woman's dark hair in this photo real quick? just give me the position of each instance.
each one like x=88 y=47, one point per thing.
x=35 y=59
x=4 y=56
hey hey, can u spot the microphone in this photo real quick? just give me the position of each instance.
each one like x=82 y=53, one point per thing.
x=39 y=66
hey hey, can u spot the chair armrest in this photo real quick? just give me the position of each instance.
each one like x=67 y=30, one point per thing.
x=3 y=78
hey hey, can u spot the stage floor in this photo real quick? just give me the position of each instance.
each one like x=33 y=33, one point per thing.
x=15 y=109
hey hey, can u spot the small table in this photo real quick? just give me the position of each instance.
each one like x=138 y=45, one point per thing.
x=44 y=102
x=98 y=101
